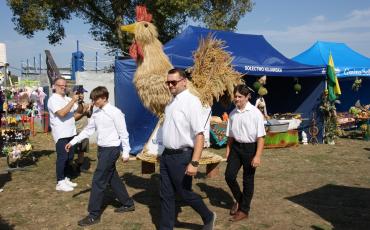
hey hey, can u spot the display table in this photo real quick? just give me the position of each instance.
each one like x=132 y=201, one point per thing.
x=272 y=139
x=281 y=140
x=363 y=125
x=211 y=160
x=352 y=126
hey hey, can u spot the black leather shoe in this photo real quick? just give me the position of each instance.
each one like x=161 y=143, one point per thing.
x=88 y=221
x=125 y=208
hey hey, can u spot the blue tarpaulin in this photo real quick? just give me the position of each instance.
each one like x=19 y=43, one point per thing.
x=348 y=65
x=253 y=56
x=140 y=122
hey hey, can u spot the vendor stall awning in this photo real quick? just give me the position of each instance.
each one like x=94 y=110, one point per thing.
x=253 y=55
x=348 y=63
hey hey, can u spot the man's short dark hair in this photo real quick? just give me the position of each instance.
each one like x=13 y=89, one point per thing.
x=58 y=78
x=99 y=92
x=242 y=89
x=179 y=71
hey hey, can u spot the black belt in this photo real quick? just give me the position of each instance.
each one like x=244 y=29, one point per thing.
x=177 y=151
x=108 y=147
x=244 y=144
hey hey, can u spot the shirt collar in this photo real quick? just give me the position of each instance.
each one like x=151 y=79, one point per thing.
x=247 y=107
x=105 y=107
x=182 y=94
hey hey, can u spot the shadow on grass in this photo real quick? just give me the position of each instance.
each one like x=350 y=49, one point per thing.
x=150 y=197
x=315 y=227
x=81 y=192
x=217 y=196
x=201 y=175
x=368 y=149
x=4 y=225
x=109 y=198
x=5 y=177
x=344 y=207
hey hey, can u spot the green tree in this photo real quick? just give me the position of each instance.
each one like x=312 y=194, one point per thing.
x=106 y=16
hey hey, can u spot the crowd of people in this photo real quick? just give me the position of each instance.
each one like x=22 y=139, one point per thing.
x=183 y=138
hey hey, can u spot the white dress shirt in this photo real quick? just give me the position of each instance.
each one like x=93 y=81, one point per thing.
x=61 y=127
x=246 y=125
x=184 y=119
x=109 y=122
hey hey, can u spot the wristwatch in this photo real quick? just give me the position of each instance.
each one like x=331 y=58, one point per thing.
x=194 y=163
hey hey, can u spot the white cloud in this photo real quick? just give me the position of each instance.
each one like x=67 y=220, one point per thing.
x=319 y=18
x=353 y=29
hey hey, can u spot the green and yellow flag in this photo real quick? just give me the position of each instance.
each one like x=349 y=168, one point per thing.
x=333 y=84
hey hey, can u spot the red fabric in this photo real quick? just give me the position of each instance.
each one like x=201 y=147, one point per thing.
x=142 y=14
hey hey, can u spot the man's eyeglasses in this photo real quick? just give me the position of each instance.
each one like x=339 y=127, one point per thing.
x=174 y=82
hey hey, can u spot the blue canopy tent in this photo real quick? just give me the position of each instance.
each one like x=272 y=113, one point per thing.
x=348 y=65
x=253 y=56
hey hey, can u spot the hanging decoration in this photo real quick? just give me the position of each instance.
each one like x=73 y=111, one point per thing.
x=262 y=91
x=356 y=84
x=256 y=85
x=297 y=87
x=259 y=85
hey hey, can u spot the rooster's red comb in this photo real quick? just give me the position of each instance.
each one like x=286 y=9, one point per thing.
x=142 y=14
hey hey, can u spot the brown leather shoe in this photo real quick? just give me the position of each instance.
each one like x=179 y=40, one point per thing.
x=234 y=208
x=240 y=215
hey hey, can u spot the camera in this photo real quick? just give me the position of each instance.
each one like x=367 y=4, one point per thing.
x=80 y=89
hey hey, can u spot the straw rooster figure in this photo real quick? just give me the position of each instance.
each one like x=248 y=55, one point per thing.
x=212 y=73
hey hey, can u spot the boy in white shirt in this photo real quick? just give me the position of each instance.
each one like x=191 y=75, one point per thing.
x=109 y=123
x=245 y=132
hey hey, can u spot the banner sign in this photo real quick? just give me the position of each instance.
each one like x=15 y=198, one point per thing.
x=255 y=68
x=354 y=72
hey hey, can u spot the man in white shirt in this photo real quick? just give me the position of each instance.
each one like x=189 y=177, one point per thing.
x=109 y=122
x=183 y=138
x=63 y=112
x=245 y=131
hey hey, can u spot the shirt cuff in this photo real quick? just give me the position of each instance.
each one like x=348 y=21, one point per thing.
x=125 y=155
x=73 y=141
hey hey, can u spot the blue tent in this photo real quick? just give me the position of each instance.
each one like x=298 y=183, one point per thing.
x=253 y=56
x=348 y=65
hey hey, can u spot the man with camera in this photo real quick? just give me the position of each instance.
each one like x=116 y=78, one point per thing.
x=64 y=111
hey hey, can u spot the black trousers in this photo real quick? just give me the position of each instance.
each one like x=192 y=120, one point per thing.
x=63 y=169
x=106 y=173
x=174 y=180
x=241 y=154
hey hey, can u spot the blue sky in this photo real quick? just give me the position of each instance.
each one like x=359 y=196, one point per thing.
x=290 y=26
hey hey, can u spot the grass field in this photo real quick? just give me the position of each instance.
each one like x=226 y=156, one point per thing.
x=305 y=187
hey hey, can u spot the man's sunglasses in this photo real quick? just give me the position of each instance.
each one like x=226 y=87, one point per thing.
x=174 y=82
